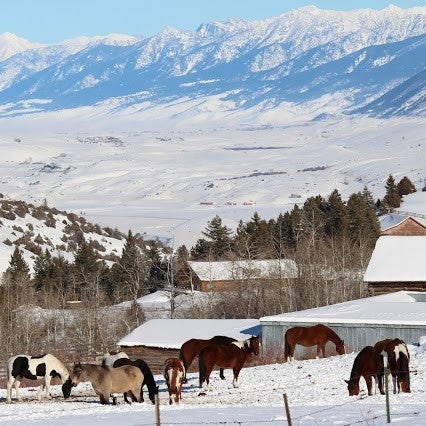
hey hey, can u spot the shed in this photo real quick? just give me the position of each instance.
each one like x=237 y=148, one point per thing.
x=395 y=224
x=358 y=322
x=158 y=339
x=225 y=275
x=397 y=263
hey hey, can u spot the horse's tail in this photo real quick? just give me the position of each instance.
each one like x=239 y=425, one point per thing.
x=201 y=368
x=148 y=380
x=286 y=348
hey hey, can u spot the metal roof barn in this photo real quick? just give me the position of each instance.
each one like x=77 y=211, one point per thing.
x=359 y=323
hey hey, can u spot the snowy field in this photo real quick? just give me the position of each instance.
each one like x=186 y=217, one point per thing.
x=316 y=391
x=170 y=181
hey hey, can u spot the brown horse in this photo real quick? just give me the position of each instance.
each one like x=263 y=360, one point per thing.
x=398 y=363
x=148 y=378
x=232 y=355
x=367 y=366
x=191 y=348
x=174 y=372
x=317 y=335
x=107 y=380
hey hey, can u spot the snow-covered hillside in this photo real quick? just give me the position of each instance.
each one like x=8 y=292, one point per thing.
x=160 y=181
x=316 y=392
x=298 y=57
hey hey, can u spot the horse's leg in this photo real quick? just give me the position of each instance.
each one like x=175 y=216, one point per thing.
x=318 y=351
x=380 y=377
x=369 y=381
x=394 y=382
x=47 y=384
x=10 y=383
x=221 y=375
x=236 y=370
x=209 y=369
x=104 y=398
x=40 y=389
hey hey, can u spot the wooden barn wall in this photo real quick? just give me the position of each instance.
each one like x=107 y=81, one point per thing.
x=356 y=336
x=376 y=288
x=408 y=227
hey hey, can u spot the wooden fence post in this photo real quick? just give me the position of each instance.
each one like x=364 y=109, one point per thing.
x=386 y=374
x=157 y=410
x=287 y=409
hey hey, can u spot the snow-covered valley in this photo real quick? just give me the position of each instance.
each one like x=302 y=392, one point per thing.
x=316 y=391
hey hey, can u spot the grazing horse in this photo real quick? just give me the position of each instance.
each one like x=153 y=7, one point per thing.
x=110 y=357
x=174 y=372
x=191 y=348
x=367 y=366
x=148 y=378
x=36 y=367
x=317 y=335
x=107 y=380
x=232 y=355
x=398 y=363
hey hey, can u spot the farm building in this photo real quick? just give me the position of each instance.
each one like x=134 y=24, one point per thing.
x=218 y=276
x=359 y=322
x=158 y=339
x=395 y=224
x=397 y=263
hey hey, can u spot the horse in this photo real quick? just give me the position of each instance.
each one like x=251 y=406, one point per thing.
x=398 y=363
x=107 y=380
x=148 y=378
x=174 y=372
x=110 y=357
x=191 y=348
x=232 y=355
x=367 y=366
x=317 y=335
x=36 y=367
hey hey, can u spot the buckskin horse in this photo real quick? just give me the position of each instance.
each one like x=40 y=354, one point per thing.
x=398 y=363
x=36 y=367
x=191 y=348
x=232 y=355
x=317 y=335
x=368 y=366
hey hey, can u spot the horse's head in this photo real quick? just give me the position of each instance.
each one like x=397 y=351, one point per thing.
x=353 y=387
x=255 y=344
x=66 y=387
x=340 y=347
x=78 y=374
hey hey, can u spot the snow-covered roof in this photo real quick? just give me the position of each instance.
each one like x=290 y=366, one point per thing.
x=398 y=259
x=401 y=307
x=172 y=333
x=393 y=219
x=243 y=269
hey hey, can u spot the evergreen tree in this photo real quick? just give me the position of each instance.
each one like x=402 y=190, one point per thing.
x=42 y=270
x=336 y=216
x=201 y=250
x=405 y=187
x=157 y=268
x=18 y=267
x=85 y=259
x=219 y=236
x=363 y=222
x=392 y=199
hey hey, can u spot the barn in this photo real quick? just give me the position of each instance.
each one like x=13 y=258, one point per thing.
x=227 y=275
x=158 y=339
x=395 y=224
x=359 y=322
x=397 y=263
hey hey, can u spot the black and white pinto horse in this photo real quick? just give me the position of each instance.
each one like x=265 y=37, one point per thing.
x=110 y=357
x=36 y=367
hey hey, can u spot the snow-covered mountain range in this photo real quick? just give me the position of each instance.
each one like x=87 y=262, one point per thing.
x=359 y=57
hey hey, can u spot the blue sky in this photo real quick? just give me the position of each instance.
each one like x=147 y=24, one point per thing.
x=50 y=21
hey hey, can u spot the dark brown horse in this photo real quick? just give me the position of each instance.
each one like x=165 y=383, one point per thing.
x=317 y=335
x=148 y=378
x=174 y=372
x=232 y=355
x=398 y=363
x=191 y=348
x=365 y=365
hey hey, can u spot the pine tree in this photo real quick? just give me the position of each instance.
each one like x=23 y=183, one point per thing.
x=219 y=236
x=363 y=222
x=392 y=199
x=336 y=215
x=405 y=187
x=201 y=250
x=42 y=270
x=85 y=259
x=18 y=267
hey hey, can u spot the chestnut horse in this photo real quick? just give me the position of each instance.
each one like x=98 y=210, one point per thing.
x=232 y=355
x=191 y=348
x=317 y=335
x=367 y=366
x=148 y=378
x=398 y=363
x=174 y=372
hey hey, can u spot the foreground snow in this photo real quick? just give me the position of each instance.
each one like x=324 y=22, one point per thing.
x=315 y=389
